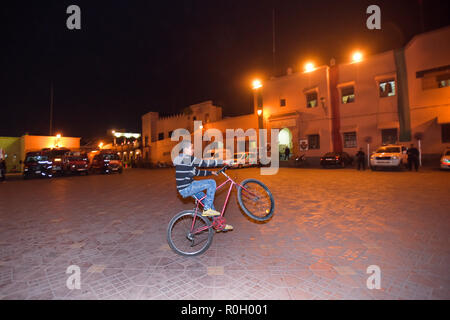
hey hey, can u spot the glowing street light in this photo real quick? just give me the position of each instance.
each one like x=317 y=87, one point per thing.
x=258 y=101
x=57 y=140
x=309 y=67
x=256 y=84
x=100 y=145
x=357 y=56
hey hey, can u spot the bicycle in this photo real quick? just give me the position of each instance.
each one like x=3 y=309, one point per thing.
x=191 y=234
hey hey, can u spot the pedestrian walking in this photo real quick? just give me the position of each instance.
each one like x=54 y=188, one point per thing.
x=2 y=170
x=360 y=158
x=413 y=158
x=287 y=152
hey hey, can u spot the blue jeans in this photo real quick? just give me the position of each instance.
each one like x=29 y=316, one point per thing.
x=195 y=190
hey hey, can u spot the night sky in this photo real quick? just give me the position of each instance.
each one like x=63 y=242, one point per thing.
x=132 y=57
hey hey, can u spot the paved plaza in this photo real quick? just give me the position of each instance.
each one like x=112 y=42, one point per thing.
x=329 y=226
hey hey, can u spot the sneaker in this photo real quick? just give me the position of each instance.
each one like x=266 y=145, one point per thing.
x=228 y=227
x=210 y=213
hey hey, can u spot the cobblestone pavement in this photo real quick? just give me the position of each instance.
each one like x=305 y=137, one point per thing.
x=328 y=227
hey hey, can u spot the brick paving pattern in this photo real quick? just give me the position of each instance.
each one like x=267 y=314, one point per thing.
x=328 y=227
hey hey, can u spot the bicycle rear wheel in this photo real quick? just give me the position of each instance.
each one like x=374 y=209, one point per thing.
x=256 y=200
x=180 y=238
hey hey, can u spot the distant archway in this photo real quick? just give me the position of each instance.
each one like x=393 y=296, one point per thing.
x=284 y=140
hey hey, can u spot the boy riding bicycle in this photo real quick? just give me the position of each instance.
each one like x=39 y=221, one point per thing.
x=186 y=168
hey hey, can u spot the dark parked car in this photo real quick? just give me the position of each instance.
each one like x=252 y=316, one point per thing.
x=75 y=162
x=56 y=156
x=37 y=164
x=106 y=163
x=337 y=159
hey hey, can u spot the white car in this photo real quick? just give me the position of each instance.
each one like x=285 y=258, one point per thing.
x=245 y=159
x=389 y=156
x=219 y=154
x=445 y=159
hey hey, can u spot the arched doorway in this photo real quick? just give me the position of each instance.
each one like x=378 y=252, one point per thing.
x=284 y=140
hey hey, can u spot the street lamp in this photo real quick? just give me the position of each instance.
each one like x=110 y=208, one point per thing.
x=114 y=137
x=309 y=67
x=58 y=137
x=256 y=84
x=100 y=145
x=258 y=101
x=357 y=56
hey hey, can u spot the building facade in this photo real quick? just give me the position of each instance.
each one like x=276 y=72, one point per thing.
x=399 y=96
x=15 y=148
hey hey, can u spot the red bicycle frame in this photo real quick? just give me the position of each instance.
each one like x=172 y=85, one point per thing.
x=199 y=201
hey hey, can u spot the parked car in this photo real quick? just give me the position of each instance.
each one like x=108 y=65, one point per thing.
x=219 y=154
x=56 y=156
x=75 y=162
x=245 y=159
x=37 y=164
x=106 y=163
x=337 y=159
x=389 y=156
x=445 y=159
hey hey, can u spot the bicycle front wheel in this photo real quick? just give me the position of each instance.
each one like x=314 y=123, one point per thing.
x=187 y=240
x=256 y=200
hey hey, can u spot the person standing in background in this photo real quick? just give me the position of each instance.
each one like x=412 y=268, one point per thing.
x=413 y=158
x=287 y=152
x=2 y=170
x=360 y=158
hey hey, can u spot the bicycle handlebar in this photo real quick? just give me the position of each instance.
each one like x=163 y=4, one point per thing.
x=225 y=167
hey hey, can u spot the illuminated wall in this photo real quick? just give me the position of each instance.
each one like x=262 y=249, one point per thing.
x=11 y=150
x=430 y=107
x=31 y=143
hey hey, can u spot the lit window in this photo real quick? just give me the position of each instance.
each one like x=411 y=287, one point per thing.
x=443 y=80
x=348 y=94
x=311 y=99
x=387 y=88
x=435 y=78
